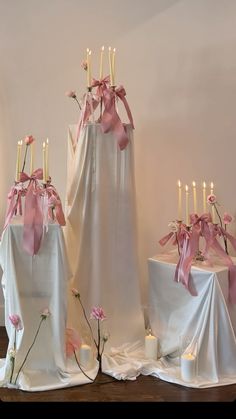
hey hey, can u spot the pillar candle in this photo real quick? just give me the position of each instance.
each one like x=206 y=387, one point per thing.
x=44 y=163
x=85 y=355
x=101 y=63
x=188 y=367
x=47 y=159
x=194 y=198
x=150 y=347
x=186 y=205
x=204 y=196
x=179 y=201
x=89 y=52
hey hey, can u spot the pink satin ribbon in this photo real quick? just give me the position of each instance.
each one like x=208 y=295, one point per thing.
x=59 y=214
x=90 y=103
x=33 y=214
x=110 y=118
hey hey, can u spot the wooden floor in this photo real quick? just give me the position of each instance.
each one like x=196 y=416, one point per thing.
x=107 y=389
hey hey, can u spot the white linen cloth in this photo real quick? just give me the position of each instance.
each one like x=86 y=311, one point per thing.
x=207 y=318
x=101 y=239
x=31 y=284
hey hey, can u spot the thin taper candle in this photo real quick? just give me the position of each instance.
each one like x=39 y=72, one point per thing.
x=17 y=162
x=194 y=197
x=44 y=163
x=204 y=196
x=47 y=159
x=213 y=211
x=110 y=66
x=31 y=157
x=101 y=63
x=186 y=205
x=179 y=201
x=113 y=66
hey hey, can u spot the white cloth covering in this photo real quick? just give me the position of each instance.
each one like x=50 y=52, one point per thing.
x=101 y=237
x=31 y=284
x=207 y=319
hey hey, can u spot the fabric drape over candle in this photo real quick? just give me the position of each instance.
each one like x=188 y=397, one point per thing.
x=100 y=232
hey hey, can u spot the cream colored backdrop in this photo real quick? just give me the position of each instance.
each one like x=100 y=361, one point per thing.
x=177 y=59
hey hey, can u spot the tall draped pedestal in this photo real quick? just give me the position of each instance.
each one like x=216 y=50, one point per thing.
x=101 y=232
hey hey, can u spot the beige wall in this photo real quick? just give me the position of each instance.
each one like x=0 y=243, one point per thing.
x=177 y=60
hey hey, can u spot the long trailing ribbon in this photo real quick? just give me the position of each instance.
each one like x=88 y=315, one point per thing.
x=14 y=203
x=90 y=103
x=33 y=214
x=59 y=214
x=110 y=118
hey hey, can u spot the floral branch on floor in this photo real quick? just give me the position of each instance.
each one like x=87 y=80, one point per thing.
x=72 y=345
x=98 y=314
x=16 y=322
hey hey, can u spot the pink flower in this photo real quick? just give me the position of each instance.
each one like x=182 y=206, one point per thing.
x=84 y=65
x=72 y=341
x=29 y=140
x=53 y=201
x=71 y=93
x=227 y=218
x=75 y=292
x=97 y=314
x=16 y=321
x=211 y=199
x=45 y=313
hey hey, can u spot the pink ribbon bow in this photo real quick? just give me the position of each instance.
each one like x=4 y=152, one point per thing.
x=33 y=215
x=90 y=103
x=101 y=85
x=54 y=197
x=110 y=118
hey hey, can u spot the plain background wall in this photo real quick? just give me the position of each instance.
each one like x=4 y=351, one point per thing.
x=177 y=60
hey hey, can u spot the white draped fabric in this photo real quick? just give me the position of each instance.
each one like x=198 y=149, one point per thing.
x=31 y=284
x=101 y=236
x=207 y=318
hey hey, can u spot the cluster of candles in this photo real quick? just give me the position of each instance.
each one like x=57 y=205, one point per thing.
x=111 y=55
x=195 y=201
x=32 y=156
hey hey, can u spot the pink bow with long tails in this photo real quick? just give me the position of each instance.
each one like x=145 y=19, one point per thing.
x=101 y=85
x=110 y=118
x=33 y=215
x=90 y=103
x=189 y=249
x=15 y=203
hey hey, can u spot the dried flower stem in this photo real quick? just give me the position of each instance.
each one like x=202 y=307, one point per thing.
x=31 y=346
x=25 y=158
x=13 y=358
x=221 y=224
x=78 y=102
x=81 y=369
x=87 y=321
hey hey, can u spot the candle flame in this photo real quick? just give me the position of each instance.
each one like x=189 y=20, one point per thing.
x=109 y=49
x=47 y=141
x=179 y=184
x=90 y=52
x=114 y=50
x=44 y=144
x=194 y=184
x=103 y=48
x=186 y=188
x=87 y=50
x=204 y=185
x=212 y=185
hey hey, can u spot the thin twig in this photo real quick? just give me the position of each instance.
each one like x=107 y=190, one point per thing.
x=221 y=224
x=24 y=158
x=13 y=358
x=88 y=323
x=81 y=369
x=78 y=102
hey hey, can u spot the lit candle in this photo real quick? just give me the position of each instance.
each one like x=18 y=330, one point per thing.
x=213 y=211
x=204 y=196
x=18 y=161
x=85 y=356
x=110 y=67
x=101 y=63
x=47 y=160
x=89 y=52
x=188 y=367
x=31 y=157
x=194 y=198
x=187 y=205
x=113 y=67
x=44 y=163
x=150 y=346
x=179 y=201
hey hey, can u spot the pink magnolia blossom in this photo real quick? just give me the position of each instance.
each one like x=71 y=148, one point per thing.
x=45 y=313
x=227 y=218
x=71 y=93
x=16 y=321
x=72 y=341
x=84 y=65
x=97 y=314
x=29 y=139
x=211 y=199
x=75 y=292
x=53 y=201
